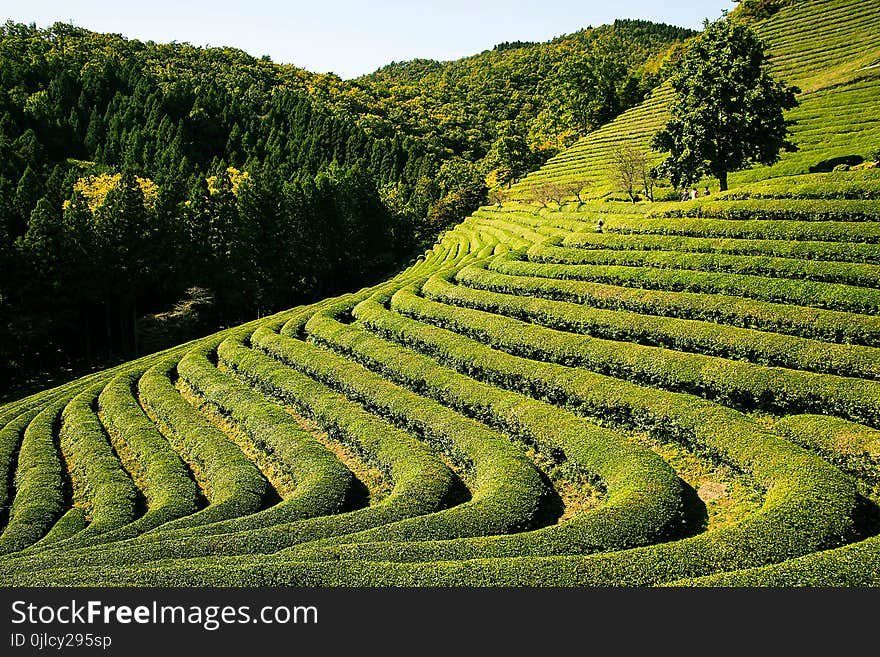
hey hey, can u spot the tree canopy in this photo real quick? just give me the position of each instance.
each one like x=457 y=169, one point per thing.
x=132 y=173
x=728 y=111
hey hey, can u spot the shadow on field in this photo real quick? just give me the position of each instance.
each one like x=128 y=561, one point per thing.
x=696 y=516
x=827 y=166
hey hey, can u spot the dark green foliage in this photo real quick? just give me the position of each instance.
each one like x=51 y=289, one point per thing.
x=80 y=104
x=346 y=179
x=27 y=193
x=553 y=92
x=462 y=190
x=728 y=110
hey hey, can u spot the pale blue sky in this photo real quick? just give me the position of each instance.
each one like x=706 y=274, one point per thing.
x=348 y=37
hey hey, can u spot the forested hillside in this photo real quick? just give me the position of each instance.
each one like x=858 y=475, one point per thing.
x=152 y=192
x=537 y=98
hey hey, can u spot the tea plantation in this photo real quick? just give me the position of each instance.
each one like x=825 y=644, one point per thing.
x=690 y=396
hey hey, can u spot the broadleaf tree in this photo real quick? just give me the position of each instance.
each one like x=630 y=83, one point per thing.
x=728 y=111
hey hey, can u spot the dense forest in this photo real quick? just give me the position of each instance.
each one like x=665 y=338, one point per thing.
x=151 y=192
x=541 y=95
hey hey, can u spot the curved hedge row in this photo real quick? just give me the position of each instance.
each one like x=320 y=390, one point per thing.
x=421 y=365
x=820 y=209
x=100 y=484
x=729 y=382
x=858 y=274
x=628 y=517
x=833 y=185
x=771 y=536
x=540 y=228
x=39 y=485
x=422 y=482
x=507 y=489
x=851 y=565
x=746 y=313
x=517 y=236
x=422 y=485
x=322 y=481
x=675 y=416
x=764 y=454
x=771 y=349
x=10 y=439
x=68 y=527
x=802 y=250
x=156 y=468
x=760 y=229
x=853 y=447
x=231 y=483
x=817 y=294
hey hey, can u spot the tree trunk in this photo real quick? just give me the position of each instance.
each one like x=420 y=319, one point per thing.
x=134 y=328
x=722 y=179
x=120 y=317
x=108 y=326
x=88 y=336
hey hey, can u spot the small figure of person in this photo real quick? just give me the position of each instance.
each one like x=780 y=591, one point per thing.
x=684 y=195
x=694 y=194
x=599 y=226
x=706 y=192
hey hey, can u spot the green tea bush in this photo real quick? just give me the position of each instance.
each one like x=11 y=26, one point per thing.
x=804 y=322
x=39 y=486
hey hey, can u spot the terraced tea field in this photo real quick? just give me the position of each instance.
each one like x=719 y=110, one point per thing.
x=531 y=403
x=691 y=396
x=830 y=49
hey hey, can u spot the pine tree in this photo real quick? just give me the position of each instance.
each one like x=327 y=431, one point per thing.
x=27 y=193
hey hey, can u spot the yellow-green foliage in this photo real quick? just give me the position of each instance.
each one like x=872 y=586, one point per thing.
x=95 y=188
x=236 y=178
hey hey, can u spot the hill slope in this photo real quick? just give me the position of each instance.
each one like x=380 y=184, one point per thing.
x=830 y=49
x=532 y=87
x=689 y=396
x=387 y=163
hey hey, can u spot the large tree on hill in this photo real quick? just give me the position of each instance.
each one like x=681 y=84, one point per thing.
x=728 y=109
